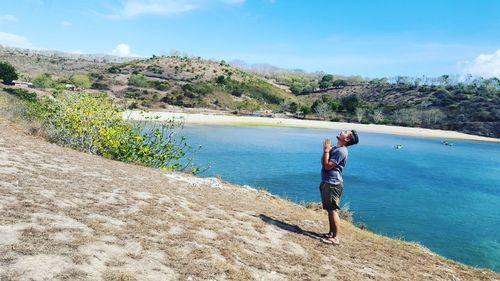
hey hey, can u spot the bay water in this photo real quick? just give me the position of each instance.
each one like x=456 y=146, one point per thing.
x=445 y=197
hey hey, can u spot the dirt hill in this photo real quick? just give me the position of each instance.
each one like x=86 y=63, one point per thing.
x=154 y=82
x=165 y=82
x=66 y=215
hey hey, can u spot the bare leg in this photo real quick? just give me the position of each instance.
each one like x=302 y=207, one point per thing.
x=334 y=220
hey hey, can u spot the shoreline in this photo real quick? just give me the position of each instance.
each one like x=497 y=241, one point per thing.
x=229 y=120
x=234 y=120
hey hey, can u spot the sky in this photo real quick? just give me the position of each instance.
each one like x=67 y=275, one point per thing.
x=371 y=38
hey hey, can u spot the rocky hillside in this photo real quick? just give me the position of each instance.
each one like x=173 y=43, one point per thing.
x=162 y=82
x=66 y=215
x=155 y=82
x=465 y=108
x=30 y=63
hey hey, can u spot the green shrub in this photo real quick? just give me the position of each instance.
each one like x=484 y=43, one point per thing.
x=197 y=89
x=22 y=94
x=159 y=85
x=221 y=79
x=7 y=73
x=93 y=123
x=350 y=103
x=139 y=80
x=326 y=81
x=43 y=81
x=248 y=105
x=114 y=69
x=339 y=83
x=81 y=81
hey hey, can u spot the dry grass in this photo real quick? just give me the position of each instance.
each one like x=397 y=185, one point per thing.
x=71 y=275
x=65 y=215
x=117 y=276
x=345 y=212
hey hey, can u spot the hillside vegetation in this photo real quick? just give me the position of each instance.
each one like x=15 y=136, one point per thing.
x=470 y=105
x=155 y=82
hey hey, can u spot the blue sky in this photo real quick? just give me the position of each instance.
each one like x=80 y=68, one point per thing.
x=372 y=38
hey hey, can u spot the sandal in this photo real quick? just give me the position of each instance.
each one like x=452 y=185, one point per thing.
x=331 y=241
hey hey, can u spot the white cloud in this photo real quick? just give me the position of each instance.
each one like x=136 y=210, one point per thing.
x=14 y=40
x=123 y=50
x=485 y=65
x=8 y=18
x=66 y=23
x=132 y=8
x=234 y=2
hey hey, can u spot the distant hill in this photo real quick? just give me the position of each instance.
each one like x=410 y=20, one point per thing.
x=33 y=62
x=470 y=105
x=470 y=109
x=155 y=83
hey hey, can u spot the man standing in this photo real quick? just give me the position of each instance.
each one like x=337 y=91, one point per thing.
x=333 y=162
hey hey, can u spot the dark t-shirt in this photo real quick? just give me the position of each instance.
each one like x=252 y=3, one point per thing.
x=338 y=155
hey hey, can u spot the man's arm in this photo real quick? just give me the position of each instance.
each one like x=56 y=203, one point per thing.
x=325 y=159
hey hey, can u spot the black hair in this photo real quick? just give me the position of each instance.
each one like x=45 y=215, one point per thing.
x=353 y=138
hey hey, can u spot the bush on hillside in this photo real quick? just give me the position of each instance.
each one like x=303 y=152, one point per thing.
x=93 y=123
x=43 y=81
x=81 y=81
x=22 y=94
x=326 y=82
x=138 y=80
x=7 y=73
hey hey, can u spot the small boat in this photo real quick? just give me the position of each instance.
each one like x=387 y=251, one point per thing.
x=445 y=142
x=398 y=146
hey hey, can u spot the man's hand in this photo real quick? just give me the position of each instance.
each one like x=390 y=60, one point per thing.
x=327 y=146
x=325 y=158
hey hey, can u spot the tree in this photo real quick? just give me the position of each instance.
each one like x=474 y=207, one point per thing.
x=407 y=116
x=289 y=106
x=378 y=115
x=294 y=107
x=360 y=112
x=350 y=103
x=432 y=116
x=379 y=81
x=297 y=88
x=305 y=109
x=492 y=86
x=309 y=88
x=7 y=73
x=339 y=83
x=323 y=110
x=444 y=79
x=402 y=80
x=326 y=82
x=221 y=80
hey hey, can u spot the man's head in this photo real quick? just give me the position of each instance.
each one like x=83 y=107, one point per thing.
x=348 y=137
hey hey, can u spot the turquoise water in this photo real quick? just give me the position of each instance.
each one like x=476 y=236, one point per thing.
x=445 y=197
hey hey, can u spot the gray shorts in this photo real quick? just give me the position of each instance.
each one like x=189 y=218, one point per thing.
x=330 y=195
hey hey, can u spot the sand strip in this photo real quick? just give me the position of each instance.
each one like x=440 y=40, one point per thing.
x=229 y=120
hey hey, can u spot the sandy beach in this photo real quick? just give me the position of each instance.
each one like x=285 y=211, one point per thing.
x=232 y=120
